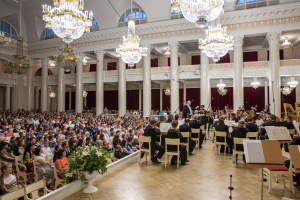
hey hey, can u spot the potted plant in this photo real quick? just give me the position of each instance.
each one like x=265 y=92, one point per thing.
x=85 y=163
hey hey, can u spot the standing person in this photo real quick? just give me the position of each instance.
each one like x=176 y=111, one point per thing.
x=187 y=110
x=152 y=131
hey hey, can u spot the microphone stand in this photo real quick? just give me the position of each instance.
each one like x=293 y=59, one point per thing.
x=273 y=96
x=177 y=108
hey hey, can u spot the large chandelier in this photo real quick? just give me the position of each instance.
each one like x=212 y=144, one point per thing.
x=167 y=91
x=51 y=64
x=222 y=91
x=198 y=11
x=84 y=61
x=167 y=53
x=255 y=84
x=84 y=94
x=130 y=51
x=286 y=44
x=52 y=95
x=286 y=90
x=292 y=84
x=217 y=43
x=67 y=19
x=4 y=40
x=67 y=59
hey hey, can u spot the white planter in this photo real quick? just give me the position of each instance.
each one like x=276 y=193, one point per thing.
x=90 y=188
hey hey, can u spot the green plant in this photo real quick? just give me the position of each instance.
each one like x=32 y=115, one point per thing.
x=86 y=159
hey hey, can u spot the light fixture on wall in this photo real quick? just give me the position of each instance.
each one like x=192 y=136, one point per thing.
x=84 y=61
x=167 y=53
x=286 y=43
x=131 y=50
x=51 y=64
x=167 y=91
x=292 y=84
x=222 y=91
x=84 y=94
x=217 y=43
x=255 y=84
x=52 y=95
x=67 y=19
x=6 y=41
x=68 y=58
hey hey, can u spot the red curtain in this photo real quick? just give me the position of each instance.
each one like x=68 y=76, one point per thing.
x=73 y=100
x=219 y=101
x=181 y=103
x=291 y=99
x=166 y=101
x=155 y=99
x=224 y=59
x=111 y=100
x=132 y=99
x=253 y=97
x=193 y=94
x=250 y=56
x=93 y=67
x=154 y=62
x=112 y=66
x=127 y=67
x=67 y=99
x=91 y=99
x=196 y=60
x=280 y=54
x=169 y=61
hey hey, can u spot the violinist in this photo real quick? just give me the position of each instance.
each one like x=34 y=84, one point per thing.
x=202 y=110
x=233 y=117
x=266 y=109
x=240 y=115
x=254 y=110
x=246 y=115
x=289 y=124
x=225 y=109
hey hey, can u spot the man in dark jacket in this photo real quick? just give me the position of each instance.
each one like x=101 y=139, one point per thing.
x=250 y=126
x=187 y=110
x=187 y=128
x=289 y=124
x=152 y=131
x=272 y=123
x=196 y=124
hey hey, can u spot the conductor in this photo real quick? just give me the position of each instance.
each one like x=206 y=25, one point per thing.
x=187 y=111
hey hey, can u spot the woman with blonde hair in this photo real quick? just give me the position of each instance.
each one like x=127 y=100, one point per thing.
x=8 y=181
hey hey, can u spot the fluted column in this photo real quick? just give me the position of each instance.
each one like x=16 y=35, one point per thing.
x=298 y=92
x=122 y=88
x=60 y=90
x=7 y=97
x=238 y=83
x=140 y=97
x=29 y=87
x=174 y=76
x=37 y=98
x=79 y=85
x=44 y=88
x=204 y=80
x=147 y=82
x=49 y=99
x=266 y=92
x=99 y=82
x=13 y=98
x=184 y=94
x=274 y=80
x=161 y=97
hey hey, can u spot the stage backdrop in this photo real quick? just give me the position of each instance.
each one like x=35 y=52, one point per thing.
x=132 y=99
x=221 y=101
x=193 y=94
x=254 y=97
x=111 y=100
x=67 y=99
x=155 y=98
x=91 y=99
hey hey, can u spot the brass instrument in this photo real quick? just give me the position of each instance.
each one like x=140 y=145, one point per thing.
x=294 y=111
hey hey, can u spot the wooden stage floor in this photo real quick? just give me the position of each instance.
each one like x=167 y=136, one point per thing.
x=206 y=177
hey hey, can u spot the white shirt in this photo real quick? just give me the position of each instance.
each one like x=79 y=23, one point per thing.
x=47 y=151
x=9 y=179
x=190 y=109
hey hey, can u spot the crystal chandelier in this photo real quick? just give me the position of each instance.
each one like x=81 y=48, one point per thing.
x=130 y=51
x=286 y=44
x=67 y=59
x=67 y=19
x=167 y=53
x=198 y=11
x=286 y=90
x=4 y=40
x=292 y=84
x=84 y=94
x=222 y=92
x=167 y=91
x=221 y=87
x=52 y=95
x=52 y=64
x=84 y=61
x=217 y=43
x=255 y=84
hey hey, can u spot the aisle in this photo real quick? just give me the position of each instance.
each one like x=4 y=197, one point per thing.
x=206 y=177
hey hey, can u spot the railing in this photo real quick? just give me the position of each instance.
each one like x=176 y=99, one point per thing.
x=222 y=66
x=259 y=64
x=292 y=62
x=5 y=75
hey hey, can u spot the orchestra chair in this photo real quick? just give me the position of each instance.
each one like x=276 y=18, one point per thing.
x=292 y=133
x=218 y=143
x=168 y=153
x=207 y=131
x=58 y=179
x=196 y=130
x=22 y=171
x=187 y=136
x=36 y=190
x=13 y=195
x=50 y=158
x=159 y=142
x=285 y=173
x=237 y=152
x=252 y=135
x=52 y=149
x=144 y=149
x=203 y=131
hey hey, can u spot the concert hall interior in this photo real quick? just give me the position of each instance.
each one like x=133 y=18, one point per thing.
x=140 y=99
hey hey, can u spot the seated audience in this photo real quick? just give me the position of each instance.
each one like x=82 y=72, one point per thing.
x=61 y=163
x=8 y=181
x=5 y=155
x=46 y=149
x=19 y=148
x=126 y=149
x=119 y=152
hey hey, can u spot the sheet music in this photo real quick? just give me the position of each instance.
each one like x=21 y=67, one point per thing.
x=253 y=151
x=278 y=133
x=180 y=123
x=259 y=122
x=165 y=127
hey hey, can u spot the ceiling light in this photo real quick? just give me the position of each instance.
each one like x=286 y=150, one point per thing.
x=67 y=59
x=167 y=91
x=255 y=84
x=84 y=61
x=52 y=95
x=286 y=44
x=292 y=84
x=167 y=53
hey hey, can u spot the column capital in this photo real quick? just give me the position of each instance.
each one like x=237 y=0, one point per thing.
x=149 y=48
x=273 y=37
x=80 y=56
x=44 y=60
x=174 y=45
x=238 y=40
x=266 y=83
x=99 y=54
x=37 y=88
x=7 y=85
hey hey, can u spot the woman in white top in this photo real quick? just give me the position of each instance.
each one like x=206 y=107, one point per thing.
x=46 y=149
x=8 y=181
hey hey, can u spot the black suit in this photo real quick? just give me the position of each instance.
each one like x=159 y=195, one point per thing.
x=237 y=133
x=173 y=134
x=224 y=110
x=296 y=141
x=263 y=131
x=197 y=124
x=254 y=111
x=289 y=125
x=251 y=127
x=187 y=128
x=186 y=111
x=150 y=131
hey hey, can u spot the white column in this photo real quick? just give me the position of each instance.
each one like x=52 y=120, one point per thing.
x=60 y=90
x=99 y=82
x=13 y=98
x=140 y=97
x=49 y=99
x=70 y=100
x=147 y=83
x=7 y=97
x=79 y=85
x=37 y=98
x=274 y=80
x=174 y=98
x=44 y=88
x=298 y=92
x=29 y=87
x=209 y=95
x=122 y=88
x=161 y=97
x=266 y=92
x=204 y=80
x=184 y=94
x=238 y=83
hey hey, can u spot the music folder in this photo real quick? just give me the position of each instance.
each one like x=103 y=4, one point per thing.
x=295 y=156
x=278 y=133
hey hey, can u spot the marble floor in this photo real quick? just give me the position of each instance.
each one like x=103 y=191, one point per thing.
x=207 y=177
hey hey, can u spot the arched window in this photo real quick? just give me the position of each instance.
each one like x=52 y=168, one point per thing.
x=247 y=4
x=177 y=15
x=139 y=14
x=8 y=29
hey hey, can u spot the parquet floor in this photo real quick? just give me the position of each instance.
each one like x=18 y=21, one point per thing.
x=206 y=177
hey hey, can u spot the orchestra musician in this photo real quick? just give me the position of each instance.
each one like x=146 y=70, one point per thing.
x=225 y=109
x=240 y=109
x=187 y=128
x=250 y=125
x=187 y=110
x=266 y=109
x=254 y=110
x=202 y=110
x=271 y=123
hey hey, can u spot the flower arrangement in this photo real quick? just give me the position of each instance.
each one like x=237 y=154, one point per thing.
x=86 y=159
